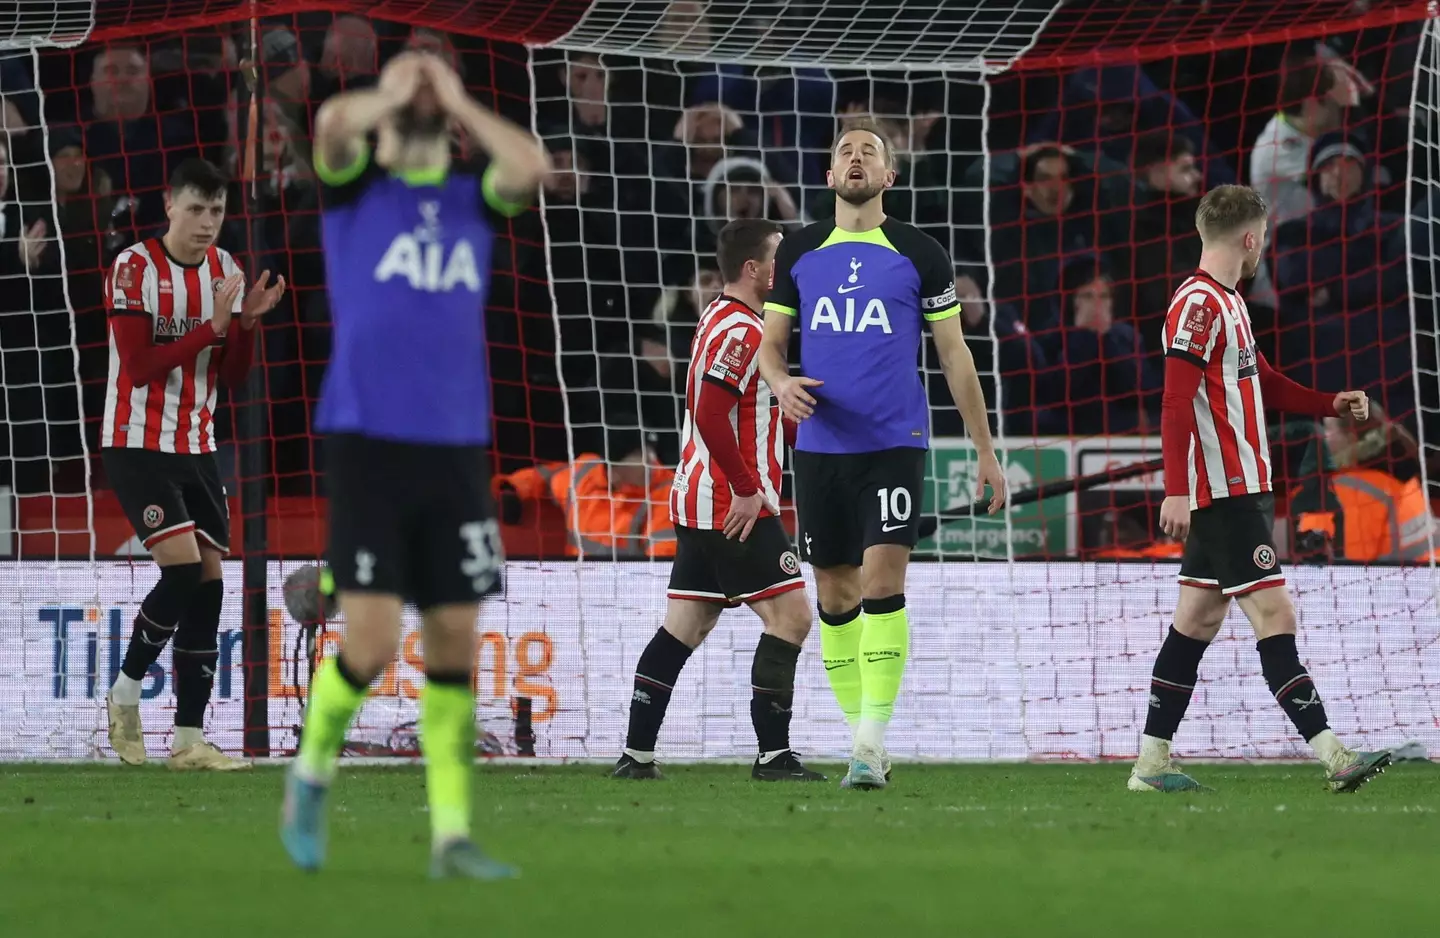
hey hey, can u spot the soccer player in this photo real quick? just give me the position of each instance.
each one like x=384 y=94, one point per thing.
x=730 y=546
x=1218 y=499
x=406 y=408
x=861 y=288
x=179 y=328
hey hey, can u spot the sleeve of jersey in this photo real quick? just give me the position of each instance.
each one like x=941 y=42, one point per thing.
x=1291 y=397
x=1177 y=420
x=237 y=356
x=505 y=204
x=146 y=362
x=937 y=282
x=337 y=176
x=712 y=422
x=1192 y=328
x=784 y=294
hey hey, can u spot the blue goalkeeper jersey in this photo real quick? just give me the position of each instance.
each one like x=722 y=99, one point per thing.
x=407 y=266
x=860 y=298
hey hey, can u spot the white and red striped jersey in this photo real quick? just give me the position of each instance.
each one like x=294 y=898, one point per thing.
x=726 y=351
x=176 y=414
x=1209 y=325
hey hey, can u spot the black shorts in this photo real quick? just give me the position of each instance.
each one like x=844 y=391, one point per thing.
x=847 y=502
x=710 y=567
x=1231 y=546
x=411 y=520
x=165 y=494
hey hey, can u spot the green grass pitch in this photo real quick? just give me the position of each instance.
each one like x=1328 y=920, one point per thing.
x=1043 y=850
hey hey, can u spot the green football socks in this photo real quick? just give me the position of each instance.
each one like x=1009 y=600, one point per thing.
x=840 y=649
x=447 y=740
x=334 y=697
x=884 y=646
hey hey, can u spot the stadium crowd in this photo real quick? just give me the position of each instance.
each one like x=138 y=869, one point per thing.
x=1068 y=234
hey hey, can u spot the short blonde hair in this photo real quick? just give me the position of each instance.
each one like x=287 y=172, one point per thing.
x=1226 y=209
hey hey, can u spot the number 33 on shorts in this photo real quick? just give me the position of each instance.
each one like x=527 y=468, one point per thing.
x=484 y=554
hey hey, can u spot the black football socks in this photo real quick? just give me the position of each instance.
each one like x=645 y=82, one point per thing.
x=1291 y=685
x=655 y=677
x=772 y=685
x=1172 y=682
x=159 y=614
x=197 y=651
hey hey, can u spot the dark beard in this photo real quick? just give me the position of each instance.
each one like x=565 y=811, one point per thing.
x=411 y=125
x=858 y=196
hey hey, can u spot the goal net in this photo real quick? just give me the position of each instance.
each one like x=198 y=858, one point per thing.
x=1056 y=151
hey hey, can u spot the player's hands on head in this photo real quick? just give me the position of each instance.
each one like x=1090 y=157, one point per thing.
x=261 y=299
x=795 y=401
x=1353 y=404
x=1175 y=516
x=744 y=512
x=225 y=296
x=992 y=475
x=449 y=89
x=401 y=76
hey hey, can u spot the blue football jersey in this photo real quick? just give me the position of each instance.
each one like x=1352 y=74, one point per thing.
x=860 y=299
x=407 y=264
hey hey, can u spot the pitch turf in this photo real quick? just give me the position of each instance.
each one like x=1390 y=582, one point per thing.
x=972 y=850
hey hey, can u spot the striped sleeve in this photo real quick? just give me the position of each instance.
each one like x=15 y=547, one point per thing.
x=1191 y=325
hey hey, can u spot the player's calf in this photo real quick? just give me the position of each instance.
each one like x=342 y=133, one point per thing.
x=197 y=653
x=687 y=623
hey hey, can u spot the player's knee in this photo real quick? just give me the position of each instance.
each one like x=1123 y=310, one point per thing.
x=884 y=571
x=837 y=589
x=1271 y=612
x=690 y=621
x=787 y=617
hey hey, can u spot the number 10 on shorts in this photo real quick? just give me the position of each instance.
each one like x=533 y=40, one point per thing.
x=895 y=504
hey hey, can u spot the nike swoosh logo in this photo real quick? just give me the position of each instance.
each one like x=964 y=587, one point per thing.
x=832 y=667
x=849 y=289
x=887 y=528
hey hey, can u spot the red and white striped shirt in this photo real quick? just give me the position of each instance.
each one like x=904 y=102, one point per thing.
x=174 y=413
x=1209 y=325
x=725 y=352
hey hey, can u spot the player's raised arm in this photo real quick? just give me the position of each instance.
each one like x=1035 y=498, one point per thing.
x=518 y=161
x=344 y=121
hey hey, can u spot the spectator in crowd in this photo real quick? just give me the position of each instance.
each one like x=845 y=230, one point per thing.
x=1046 y=202
x=1311 y=104
x=41 y=443
x=616 y=509
x=128 y=137
x=703 y=137
x=1020 y=360
x=1343 y=283
x=1103 y=110
x=1111 y=385
x=678 y=309
x=1352 y=506
x=1166 y=247
x=74 y=278
x=350 y=55
x=287 y=87
x=788 y=110
x=741 y=187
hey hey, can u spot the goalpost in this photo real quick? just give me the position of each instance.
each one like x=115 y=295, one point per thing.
x=1018 y=127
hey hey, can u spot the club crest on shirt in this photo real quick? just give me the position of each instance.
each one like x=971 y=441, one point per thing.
x=216 y=284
